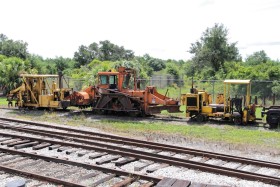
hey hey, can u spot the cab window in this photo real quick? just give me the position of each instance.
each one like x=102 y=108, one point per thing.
x=103 y=79
x=113 y=79
x=128 y=81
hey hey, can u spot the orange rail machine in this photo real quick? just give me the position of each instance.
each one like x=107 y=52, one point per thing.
x=119 y=92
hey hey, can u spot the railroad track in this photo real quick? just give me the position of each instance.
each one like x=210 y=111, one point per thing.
x=131 y=150
x=62 y=172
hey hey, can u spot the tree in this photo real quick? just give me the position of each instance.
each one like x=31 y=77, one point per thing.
x=155 y=63
x=174 y=71
x=112 y=52
x=11 y=48
x=104 y=51
x=10 y=69
x=275 y=88
x=36 y=62
x=83 y=56
x=59 y=64
x=214 y=49
x=257 y=58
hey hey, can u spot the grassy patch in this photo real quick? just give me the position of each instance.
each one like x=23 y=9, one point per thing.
x=225 y=134
x=3 y=101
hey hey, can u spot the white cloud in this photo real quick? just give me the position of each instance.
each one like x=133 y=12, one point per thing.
x=164 y=29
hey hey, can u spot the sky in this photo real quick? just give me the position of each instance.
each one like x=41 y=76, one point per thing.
x=162 y=28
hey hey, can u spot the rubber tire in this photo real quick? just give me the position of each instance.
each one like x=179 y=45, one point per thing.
x=273 y=126
x=237 y=121
x=200 y=118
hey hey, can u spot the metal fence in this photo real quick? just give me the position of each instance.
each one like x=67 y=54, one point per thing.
x=261 y=90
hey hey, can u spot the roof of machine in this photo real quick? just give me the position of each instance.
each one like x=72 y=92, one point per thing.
x=235 y=81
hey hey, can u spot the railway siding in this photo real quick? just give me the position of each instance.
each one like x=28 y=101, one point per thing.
x=119 y=154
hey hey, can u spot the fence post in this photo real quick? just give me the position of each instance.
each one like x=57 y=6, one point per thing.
x=250 y=99
x=256 y=100
x=213 y=91
x=273 y=99
x=264 y=101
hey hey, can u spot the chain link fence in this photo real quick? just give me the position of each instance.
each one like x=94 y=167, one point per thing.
x=261 y=92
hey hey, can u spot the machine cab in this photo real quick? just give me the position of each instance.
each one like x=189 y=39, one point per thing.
x=108 y=80
x=122 y=80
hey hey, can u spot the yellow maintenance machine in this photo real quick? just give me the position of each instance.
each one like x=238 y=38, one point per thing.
x=200 y=107
x=40 y=91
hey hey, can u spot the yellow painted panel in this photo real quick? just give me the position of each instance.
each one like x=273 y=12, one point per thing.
x=54 y=103
x=206 y=109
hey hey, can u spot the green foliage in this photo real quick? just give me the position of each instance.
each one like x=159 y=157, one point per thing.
x=155 y=63
x=10 y=69
x=104 y=51
x=257 y=58
x=2 y=57
x=11 y=48
x=146 y=70
x=276 y=88
x=174 y=71
x=89 y=72
x=84 y=55
x=37 y=64
x=112 y=52
x=213 y=49
x=58 y=64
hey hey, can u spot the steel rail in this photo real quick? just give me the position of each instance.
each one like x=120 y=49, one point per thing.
x=39 y=177
x=84 y=165
x=151 y=145
x=156 y=158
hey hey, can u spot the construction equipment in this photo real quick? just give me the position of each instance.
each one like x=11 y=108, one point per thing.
x=272 y=116
x=120 y=92
x=40 y=91
x=200 y=107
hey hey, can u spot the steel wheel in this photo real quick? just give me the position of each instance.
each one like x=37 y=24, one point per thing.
x=237 y=120
x=200 y=118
